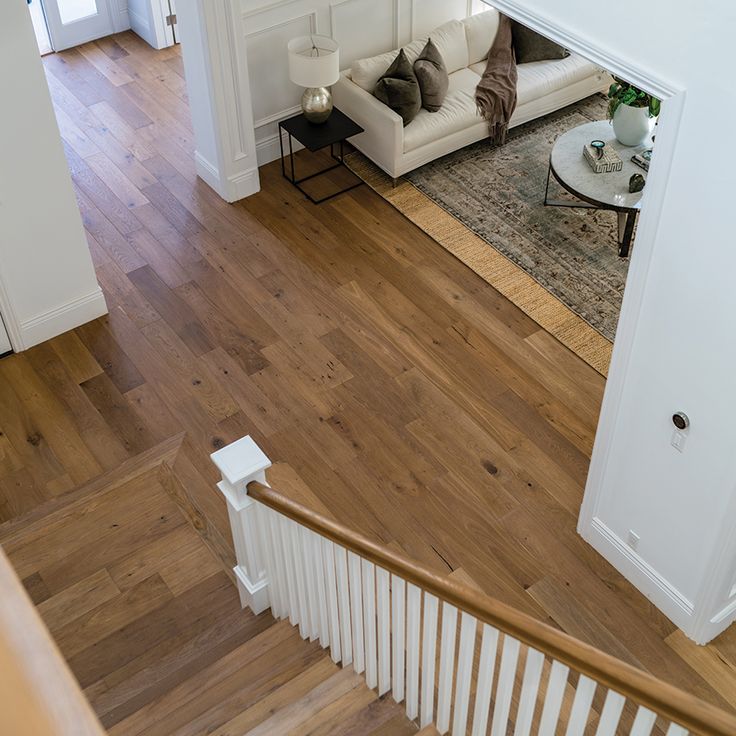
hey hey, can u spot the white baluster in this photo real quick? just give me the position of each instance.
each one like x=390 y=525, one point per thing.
x=644 y=722
x=240 y=463
x=356 y=608
x=505 y=687
x=529 y=689
x=677 y=730
x=328 y=560
x=413 y=603
x=611 y=714
x=384 y=630
x=343 y=599
x=310 y=584
x=581 y=706
x=369 y=623
x=486 y=667
x=447 y=667
x=289 y=566
x=270 y=543
x=553 y=699
x=301 y=584
x=465 y=658
x=398 y=635
x=319 y=577
x=429 y=648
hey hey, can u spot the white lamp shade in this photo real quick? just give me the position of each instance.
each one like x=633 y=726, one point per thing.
x=314 y=61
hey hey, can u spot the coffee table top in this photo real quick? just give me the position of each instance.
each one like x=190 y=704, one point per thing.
x=609 y=189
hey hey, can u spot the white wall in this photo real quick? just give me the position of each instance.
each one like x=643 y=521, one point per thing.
x=677 y=351
x=361 y=27
x=148 y=20
x=47 y=282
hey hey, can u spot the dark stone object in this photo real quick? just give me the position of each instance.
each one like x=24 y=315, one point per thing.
x=636 y=183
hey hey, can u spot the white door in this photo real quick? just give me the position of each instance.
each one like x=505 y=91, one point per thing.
x=4 y=340
x=74 y=22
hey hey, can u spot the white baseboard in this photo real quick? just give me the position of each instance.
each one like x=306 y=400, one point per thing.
x=233 y=188
x=62 y=319
x=267 y=149
x=642 y=575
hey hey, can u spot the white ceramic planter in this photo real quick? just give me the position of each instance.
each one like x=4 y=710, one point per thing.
x=632 y=125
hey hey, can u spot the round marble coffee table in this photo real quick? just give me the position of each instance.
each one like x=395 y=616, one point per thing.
x=606 y=191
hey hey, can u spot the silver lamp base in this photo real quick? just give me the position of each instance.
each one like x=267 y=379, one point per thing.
x=317 y=104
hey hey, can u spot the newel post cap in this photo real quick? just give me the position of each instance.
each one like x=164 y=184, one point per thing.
x=241 y=461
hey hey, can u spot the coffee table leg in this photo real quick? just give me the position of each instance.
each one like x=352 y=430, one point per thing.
x=626 y=222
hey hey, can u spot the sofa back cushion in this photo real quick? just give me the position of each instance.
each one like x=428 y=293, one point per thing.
x=449 y=39
x=480 y=31
x=366 y=72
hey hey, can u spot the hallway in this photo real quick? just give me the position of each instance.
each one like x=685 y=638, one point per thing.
x=407 y=397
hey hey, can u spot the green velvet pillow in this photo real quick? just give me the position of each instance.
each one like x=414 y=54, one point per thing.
x=432 y=77
x=399 y=89
x=530 y=46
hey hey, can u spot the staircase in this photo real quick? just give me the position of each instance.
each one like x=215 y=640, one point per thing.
x=340 y=636
x=128 y=578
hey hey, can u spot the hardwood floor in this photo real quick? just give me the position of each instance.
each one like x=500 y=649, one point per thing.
x=399 y=391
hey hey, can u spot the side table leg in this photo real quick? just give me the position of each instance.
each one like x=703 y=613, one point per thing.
x=281 y=148
x=626 y=223
x=546 y=189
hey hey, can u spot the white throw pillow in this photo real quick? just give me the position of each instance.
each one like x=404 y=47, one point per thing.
x=480 y=31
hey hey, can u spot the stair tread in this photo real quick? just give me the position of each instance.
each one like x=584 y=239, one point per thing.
x=184 y=699
x=291 y=718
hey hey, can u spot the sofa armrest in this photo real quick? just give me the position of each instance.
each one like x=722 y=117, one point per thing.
x=383 y=139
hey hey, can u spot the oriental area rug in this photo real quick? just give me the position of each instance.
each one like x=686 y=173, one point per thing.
x=485 y=206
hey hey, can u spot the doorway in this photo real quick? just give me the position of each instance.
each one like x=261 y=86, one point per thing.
x=61 y=24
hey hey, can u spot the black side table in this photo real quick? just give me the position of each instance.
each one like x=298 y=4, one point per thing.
x=314 y=137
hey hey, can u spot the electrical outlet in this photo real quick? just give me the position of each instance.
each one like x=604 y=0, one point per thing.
x=633 y=539
x=678 y=440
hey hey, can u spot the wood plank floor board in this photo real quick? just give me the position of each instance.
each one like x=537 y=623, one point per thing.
x=392 y=387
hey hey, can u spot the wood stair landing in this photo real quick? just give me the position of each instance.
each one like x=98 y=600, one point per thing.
x=136 y=590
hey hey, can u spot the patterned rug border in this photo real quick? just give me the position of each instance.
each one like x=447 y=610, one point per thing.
x=490 y=264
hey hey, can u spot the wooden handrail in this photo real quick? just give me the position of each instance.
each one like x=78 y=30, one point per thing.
x=667 y=700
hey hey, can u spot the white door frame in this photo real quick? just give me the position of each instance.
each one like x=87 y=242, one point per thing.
x=673 y=97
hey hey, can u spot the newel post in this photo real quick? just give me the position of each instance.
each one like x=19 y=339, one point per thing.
x=240 y=463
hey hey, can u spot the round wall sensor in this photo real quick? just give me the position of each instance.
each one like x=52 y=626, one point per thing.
x=680 y=420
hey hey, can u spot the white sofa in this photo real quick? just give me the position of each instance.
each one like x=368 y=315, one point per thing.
x=543 y=86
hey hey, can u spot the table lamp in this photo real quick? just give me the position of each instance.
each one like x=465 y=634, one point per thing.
x=314 y=63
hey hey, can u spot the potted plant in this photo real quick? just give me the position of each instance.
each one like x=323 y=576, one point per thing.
x=632 y=112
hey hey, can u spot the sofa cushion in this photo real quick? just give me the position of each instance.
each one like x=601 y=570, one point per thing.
x=399 y=89
x=531 y=46
x=432 y=77
x=480 y=30
x=458 y=112
x=450 y=40
x=540 y=78
x=366 y=72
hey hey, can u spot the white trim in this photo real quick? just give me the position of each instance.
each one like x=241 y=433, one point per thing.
x=280 y=115
x=252 y=595
x=235 y=187
x=61 y=319
x=268 y=149
x=659 y=590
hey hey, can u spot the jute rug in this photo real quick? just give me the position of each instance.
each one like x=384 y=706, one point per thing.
x=559 y=265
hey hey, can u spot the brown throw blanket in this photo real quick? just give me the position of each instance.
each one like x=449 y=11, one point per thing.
x=496 y=91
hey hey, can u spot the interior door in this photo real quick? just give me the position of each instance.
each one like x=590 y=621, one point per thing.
x=74 y=22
